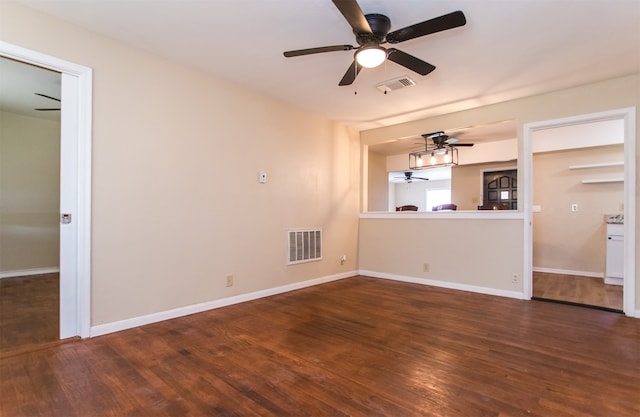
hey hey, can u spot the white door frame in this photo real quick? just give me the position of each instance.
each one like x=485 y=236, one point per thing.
x=628 y=115
x=75 y=187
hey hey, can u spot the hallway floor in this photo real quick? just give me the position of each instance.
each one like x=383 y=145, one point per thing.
x=29 y=311
x=577 y=289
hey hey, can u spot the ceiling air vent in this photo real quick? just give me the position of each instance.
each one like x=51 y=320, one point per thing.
x=395 y=84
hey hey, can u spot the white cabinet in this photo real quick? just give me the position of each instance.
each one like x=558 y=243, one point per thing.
x=615 y=254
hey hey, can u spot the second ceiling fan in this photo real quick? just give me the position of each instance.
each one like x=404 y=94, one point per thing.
x=372 y=30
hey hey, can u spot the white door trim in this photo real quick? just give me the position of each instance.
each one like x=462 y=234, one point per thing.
x=628 y=115
x=75 y=316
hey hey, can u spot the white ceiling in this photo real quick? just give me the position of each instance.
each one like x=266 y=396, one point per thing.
x=18 y=84
x=508 y=49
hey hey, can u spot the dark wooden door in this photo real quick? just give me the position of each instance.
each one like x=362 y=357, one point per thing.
x=500 y=189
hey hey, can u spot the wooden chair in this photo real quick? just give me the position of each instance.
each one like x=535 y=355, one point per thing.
x=442 y=207
x=408 y=207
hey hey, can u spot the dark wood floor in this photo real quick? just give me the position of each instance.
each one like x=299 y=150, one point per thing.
x=355 y=347
x=577 y=289
x=29 y=311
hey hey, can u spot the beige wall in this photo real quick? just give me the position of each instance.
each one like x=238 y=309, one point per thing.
x=378 y=183
x=466 y=183
x=566 y=240
x=606 y=95
x=471 y=252
x=176 y=203
x=30 y=193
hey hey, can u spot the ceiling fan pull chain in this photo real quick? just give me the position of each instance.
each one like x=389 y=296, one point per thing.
x=355 y=77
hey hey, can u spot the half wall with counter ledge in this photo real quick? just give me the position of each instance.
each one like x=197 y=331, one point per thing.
x=446 y=249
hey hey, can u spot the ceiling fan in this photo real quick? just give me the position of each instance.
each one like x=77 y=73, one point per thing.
x=439 y=150
x=372 y=30
x=51 y=98
x=408 y=178
x=440 y=140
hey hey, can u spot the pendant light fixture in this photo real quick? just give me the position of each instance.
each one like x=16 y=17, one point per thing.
x=431 y=158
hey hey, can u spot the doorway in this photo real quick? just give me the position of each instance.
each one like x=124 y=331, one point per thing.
x=30 y=188
x=500 y=190
x=584 y=175
x=574 y=190
x=75 y=186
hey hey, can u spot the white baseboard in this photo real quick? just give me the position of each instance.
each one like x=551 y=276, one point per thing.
x=614 y=281
x=446 y=284
x=568 y=272
x=25 y=272
x=116 y=326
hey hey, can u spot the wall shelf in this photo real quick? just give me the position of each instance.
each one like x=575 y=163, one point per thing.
x=602 y=165
x=603 y=181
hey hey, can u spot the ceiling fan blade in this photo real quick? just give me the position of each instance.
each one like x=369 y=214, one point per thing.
x=319 y=50
x=353 y=14
x=433 y=135
x=457 y=145
x=409 y=61
x=46 y=96
x=351 y=74
x=47 y=109
x=420 y=178
x=438 y=24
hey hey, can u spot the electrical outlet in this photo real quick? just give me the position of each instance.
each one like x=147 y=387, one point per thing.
x=229 y=280
x=574 y=207
x=514 y=279
x=425 y=267
x=343 y=259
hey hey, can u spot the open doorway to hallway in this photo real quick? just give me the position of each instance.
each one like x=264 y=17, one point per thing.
x=75 y=186
x=581 y=173
x=576 y=191
x=30 y=204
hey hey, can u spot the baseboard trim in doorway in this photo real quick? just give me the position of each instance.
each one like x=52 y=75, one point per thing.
x=586 y=274
x=20 y=350
x=571 y=303
x=25 y=272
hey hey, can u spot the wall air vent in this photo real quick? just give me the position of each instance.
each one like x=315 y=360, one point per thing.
x=304 y=245
x=395 y=84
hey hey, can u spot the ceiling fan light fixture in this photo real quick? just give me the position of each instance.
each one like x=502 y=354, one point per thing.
x=371 y=56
